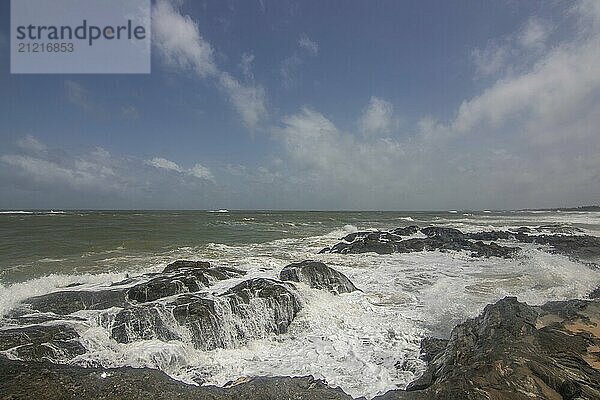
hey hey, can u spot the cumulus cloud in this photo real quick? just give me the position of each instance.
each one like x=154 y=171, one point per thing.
x=529 y=139
x=378 y=117
x=535 y=33
x=515 y=52
x=180 y=45
x=163 y=163
x=99 y=179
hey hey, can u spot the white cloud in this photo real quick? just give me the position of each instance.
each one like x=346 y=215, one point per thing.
x=163 y=163
x=530 y=139
x=99 y=179
x=515 y=52
x=29 y=143
x=178 y=40
x=289 y=66
x=378 y=117
x=246 y=65
x=535 y=33
x=197 y=171
x=76 y=94
x=201 y=172
x=248 y=101
x=310 y=46
x=491 y=59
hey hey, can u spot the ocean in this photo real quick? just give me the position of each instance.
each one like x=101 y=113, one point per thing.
x=366 y=342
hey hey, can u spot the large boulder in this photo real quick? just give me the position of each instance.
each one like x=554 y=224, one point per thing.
x=317 y=275
x=516 y=351
x=252 y=309
x=181 y=277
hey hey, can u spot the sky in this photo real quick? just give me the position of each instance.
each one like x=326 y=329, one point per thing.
x=312 y=105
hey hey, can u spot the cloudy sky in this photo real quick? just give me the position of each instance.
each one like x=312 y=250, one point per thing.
x=320 y=105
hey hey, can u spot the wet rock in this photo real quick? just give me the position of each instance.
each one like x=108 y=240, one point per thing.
x=317 y=275
x=559 y=229
x=253 y=309
x=438 y=238
x=516 y=351
x=583 y=247
x=406 y=231
x=187 y=264
x=442 y=233
x=181 y=277
x=20 y=381
x=67 y=302
x=56 y=343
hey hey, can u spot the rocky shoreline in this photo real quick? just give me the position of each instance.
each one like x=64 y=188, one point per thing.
x=512 y=350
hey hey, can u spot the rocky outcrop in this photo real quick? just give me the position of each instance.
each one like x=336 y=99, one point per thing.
x=437 y=238
x=165 y=306
x=181 y=277
x=516 y=351
x=21 y=381
x=478 y=244
x=56 y=342
x=252 y=309
x=317 y=275
x=67 y=302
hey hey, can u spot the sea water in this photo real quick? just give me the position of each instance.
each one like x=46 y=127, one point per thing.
x=366 y=342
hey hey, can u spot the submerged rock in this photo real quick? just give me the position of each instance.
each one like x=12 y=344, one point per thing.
x=516 y=351
x=252 y=309
x=317 y=275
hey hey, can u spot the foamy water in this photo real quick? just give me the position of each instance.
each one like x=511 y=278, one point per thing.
x=365 y=342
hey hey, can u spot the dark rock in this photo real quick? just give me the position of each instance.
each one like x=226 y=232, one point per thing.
x=559 y=229
x=179 y=264
x=406 y=231
x=20 y=381
x=516 y=351
x=582 y=247
x=252 y=309
x=317 y=275
x=521 y=229
x=595 y=294
x=431 y=347
x=56 y=343
x=352 y=236
x=67 y=302
x=490 y=235
x=181 y=277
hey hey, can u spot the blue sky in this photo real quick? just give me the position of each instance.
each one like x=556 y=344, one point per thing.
x=319 y=105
